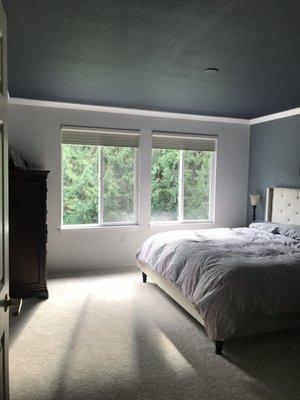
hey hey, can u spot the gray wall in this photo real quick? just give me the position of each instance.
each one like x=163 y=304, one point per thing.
x=274 y=157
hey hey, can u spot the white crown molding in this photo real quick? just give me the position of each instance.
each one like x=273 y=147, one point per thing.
x=271 y=117
x=127 y=111
x=150 y=113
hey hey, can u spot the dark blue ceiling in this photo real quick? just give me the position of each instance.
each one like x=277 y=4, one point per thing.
x=150 y=54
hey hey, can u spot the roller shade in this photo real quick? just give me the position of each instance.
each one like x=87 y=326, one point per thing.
x=99 y=136
x=182 y=141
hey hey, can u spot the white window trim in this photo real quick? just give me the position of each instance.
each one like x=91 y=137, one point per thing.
x=211 y=211
x=136 y=186
x=181 y=188
x=100 y=191
x=212 y=192
x=142 y=196
x=96 y=228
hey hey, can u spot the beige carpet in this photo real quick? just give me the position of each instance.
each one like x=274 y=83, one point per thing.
x=111 y=337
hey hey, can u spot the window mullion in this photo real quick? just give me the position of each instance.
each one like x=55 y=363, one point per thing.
x=101 y=186
x=144 y=178
x=212 y=181
x=181 y=187
x=136 y=185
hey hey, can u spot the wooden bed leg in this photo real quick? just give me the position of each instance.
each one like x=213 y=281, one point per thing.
x=144 y=277
x=219 y=347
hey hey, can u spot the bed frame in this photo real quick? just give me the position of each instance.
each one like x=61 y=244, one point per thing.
x=282 y=206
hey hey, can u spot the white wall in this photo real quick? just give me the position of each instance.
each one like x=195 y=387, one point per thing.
x=35 y=131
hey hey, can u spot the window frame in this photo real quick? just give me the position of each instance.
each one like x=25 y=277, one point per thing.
x=142 y=188
x=101 y=223
x=181 y=219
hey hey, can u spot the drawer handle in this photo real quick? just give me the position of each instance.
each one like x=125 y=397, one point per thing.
x=13 y=303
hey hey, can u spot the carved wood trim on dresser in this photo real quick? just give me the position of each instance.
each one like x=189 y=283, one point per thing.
x=28 y=233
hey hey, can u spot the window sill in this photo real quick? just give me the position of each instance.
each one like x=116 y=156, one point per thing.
x=153 y=225
x=95 y=228
x=182 y=223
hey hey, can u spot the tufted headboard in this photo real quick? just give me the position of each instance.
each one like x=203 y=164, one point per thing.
x=283 y=206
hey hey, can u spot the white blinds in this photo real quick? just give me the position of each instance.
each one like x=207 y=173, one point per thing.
x=99 y=136
x=183 y=141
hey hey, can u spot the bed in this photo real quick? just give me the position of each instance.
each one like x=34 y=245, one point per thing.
x=235 y=282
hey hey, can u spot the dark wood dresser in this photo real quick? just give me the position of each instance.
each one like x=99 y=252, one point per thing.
x=28 y=233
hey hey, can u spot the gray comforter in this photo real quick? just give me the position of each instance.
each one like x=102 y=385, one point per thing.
x=231 y=275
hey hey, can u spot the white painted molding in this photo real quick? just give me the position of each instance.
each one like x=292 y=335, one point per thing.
x=279 y=115
x=127 y=111
x=155 y=114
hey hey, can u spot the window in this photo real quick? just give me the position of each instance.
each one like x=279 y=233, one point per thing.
x=80 y=184
x=181 y=177
x=164 y=184
x=99 y=176
x=118 y=184
x=101 y=183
